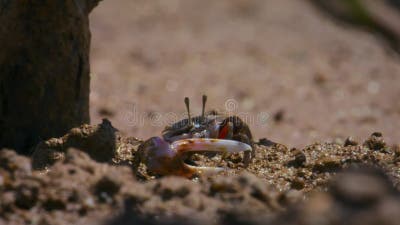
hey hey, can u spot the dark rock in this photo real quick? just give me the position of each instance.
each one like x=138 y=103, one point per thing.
x=375 y=142
x=266 y=142
x=350 y=142
x=298 y=184
x=99 y=141
x=107 y=185
x=327 y=164
x=299 y=160
x=396 y=150
x=26 y=195
x=279 y=116
x=53 y=204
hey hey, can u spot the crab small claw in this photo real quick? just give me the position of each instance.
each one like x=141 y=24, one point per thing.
x=163 y=158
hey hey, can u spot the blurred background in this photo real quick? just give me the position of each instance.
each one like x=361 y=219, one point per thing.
x=298 y=71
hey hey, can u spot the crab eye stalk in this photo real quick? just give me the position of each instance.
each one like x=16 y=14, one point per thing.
x=187 y=104
x=203 y=106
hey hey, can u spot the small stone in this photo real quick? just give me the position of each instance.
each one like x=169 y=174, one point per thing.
x=26 y=196
x=320 y=78
x=266 y=142
x=375 y=142
x=107 y=187
x=279 y=116
x=377 y=134
x=350 y=142
x=396 y=150
x=89 y=203
x=299 y=160
x=51 y=204
x=298 y=183
x=327 y=164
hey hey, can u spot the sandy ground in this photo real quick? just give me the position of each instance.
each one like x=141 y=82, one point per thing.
x=294 y=74
x=321 y=184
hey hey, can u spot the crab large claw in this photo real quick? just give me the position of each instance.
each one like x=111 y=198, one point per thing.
x=164 y=158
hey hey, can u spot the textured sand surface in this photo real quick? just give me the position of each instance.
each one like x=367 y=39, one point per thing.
x=270 y=59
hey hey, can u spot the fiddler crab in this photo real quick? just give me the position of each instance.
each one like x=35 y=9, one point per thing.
x=208 y=133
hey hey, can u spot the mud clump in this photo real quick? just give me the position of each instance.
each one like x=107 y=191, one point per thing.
x=74 y=187
x=322 y=183
x=362 y=195
x=358 y=196
x=99 y=141
x=207 y=201
x=362 y=189
x=82 y=189
x=15 y=164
